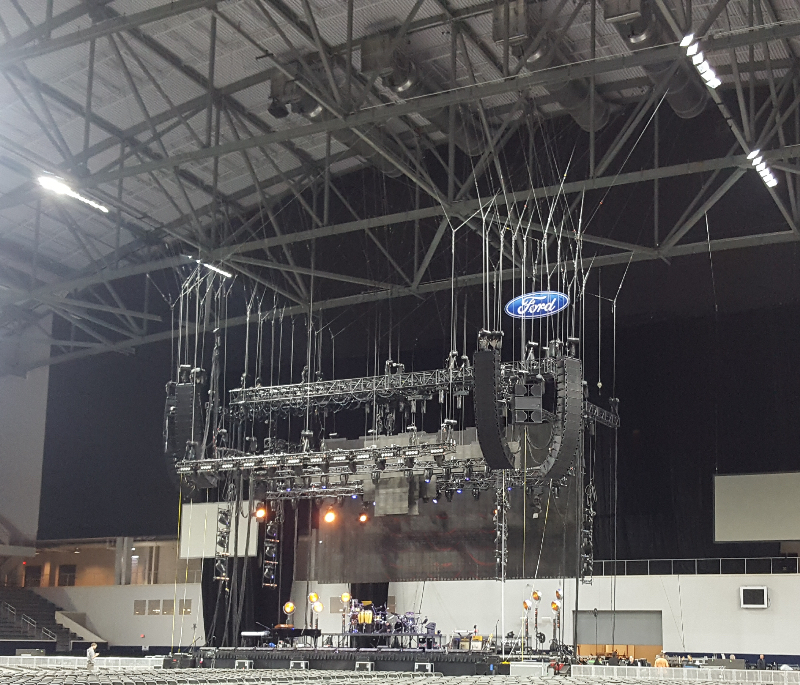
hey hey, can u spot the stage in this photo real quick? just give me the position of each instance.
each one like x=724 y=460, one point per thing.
x=345 y=659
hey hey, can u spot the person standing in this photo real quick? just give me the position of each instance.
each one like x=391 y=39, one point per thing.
x=761 y=664
x=91 y=655
x=661 y=662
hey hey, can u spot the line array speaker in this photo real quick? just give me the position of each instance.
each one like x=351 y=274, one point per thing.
x=489 y=418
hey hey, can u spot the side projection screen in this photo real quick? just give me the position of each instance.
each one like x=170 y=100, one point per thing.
x=760 y=508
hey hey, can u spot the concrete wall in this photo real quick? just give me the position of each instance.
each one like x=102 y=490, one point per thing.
x=700 y=613
x=110 y=613
x=23 y=410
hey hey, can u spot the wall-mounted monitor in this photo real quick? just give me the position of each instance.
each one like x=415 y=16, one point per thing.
x=754 y=597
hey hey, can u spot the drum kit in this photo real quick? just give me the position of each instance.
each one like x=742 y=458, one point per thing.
x=365 y=617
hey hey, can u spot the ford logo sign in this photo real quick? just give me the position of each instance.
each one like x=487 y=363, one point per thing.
x=537 y=305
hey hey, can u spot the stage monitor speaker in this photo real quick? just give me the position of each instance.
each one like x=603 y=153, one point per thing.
x=489 y=419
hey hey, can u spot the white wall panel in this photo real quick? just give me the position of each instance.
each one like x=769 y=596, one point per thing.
x=109 y=613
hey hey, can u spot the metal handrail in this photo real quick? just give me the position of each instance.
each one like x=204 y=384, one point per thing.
x=699 y=566
x=26 y=622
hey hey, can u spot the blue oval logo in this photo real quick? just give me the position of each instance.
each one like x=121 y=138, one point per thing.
x=537 y=305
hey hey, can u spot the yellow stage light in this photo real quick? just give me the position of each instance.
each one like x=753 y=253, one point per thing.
x=363 y=517
x=313 y=597
x=345 y=597
x=555 y=606
x=261 y=512
x=330 y=516
x=288 y=608
x=318 y=607
x=527 y=605
x=536 y=596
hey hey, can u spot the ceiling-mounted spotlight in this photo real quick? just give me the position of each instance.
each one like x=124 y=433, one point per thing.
x=428 y=475
x=277 y=109
x=380 y=463
x=468 y=472
x=448 y=494
x=476 y=493
x=330 y=515
x=436 y=497
x=363 y=517
x=343 y=478
x=57 y=186
x=261 y=511
x=324 y=481
x=376 y=476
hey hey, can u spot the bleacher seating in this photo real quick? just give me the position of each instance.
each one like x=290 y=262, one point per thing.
x=27 y=602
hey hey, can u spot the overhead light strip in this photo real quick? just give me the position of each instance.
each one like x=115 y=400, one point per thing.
x=57 y=186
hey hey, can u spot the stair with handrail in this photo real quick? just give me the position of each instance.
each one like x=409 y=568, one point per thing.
x=24 y=615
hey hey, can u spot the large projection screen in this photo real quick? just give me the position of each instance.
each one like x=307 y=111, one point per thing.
x=199 y=532
x=762 y=507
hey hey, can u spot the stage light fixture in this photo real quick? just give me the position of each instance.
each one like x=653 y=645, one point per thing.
x=330 y=515
x=687 y=40
x=343 y=478
x=555 y=606
x=428 y=475
x=527 y=605
x=345 y=597
x=559 y=595
x=57 y=186
x=363 y=517
x=224 y=517
x=536 y=596
x=459 y=491
x=313 y=597
x=468 y=472
x=324 y=482
x=448 y=494
x=698 y=58
x=288 y=608
x=318 y=607
x=376 y=476
x=476 y=493
x=261 y=512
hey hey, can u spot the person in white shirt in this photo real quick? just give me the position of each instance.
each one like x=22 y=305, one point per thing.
x=91 y=655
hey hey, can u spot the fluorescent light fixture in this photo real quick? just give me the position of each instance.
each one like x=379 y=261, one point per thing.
x=764 y=173
x=57 y=186
x=216 y=269
x=699 y=57
x=709 y=75
x=753 y=153
x=687 y=40
x=703 y=67
x=714 y=83
x=757 y=160
x=692 y=49
x=772 y=183
x=761 y=167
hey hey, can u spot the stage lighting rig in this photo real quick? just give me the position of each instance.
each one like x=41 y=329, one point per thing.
x=330 y=515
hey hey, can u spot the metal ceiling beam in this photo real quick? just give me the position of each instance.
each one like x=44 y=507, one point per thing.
x=520 y=83
x=459 y=208
x=719 y=245
x=10 y=55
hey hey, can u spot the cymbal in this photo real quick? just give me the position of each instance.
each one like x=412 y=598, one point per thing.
x=284 y=625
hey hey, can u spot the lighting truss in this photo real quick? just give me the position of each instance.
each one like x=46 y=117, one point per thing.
x=408 y=386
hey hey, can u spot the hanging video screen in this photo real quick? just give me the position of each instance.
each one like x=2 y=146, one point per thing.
x=450 y=540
